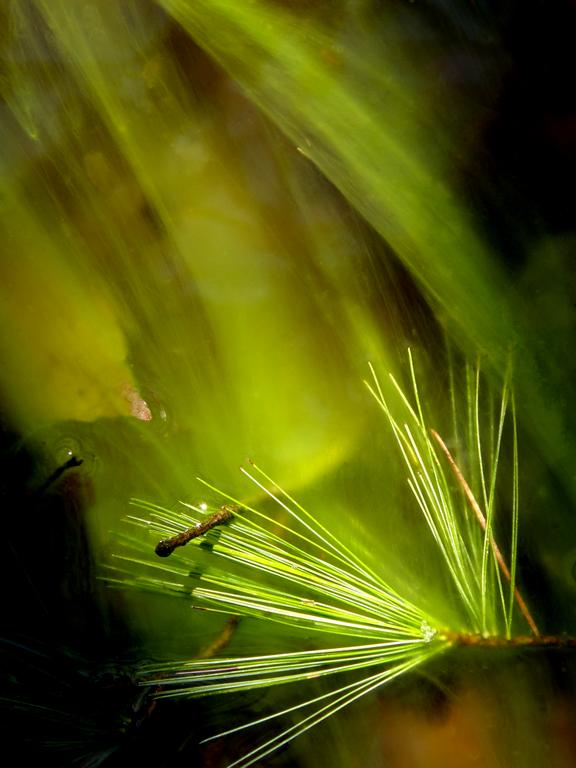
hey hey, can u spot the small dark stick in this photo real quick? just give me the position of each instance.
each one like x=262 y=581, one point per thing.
x=222 y=516
x=70 y=464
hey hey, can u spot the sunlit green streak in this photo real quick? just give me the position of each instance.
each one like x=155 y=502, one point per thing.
x=403 y=191
x=283 y=70
x=147 y=125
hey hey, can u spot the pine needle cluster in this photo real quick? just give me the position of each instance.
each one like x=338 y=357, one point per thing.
x=290 y=568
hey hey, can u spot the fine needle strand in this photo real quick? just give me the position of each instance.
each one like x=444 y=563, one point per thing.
x=482 y=520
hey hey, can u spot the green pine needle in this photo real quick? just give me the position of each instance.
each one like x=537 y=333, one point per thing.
x=293 y=570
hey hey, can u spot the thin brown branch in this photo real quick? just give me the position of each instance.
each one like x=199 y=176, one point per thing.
x=520 y=641
x=222 y=516
x=221 y=640
x=475 y=507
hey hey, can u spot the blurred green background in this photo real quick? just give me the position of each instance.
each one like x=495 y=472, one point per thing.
x=214 y=214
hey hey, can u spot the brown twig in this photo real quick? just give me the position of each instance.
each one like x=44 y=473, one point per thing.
x=475 y=507
x=520 y=641
x=223 y=515
x=221 y=640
